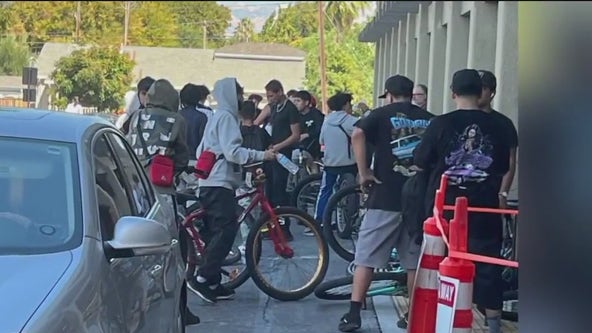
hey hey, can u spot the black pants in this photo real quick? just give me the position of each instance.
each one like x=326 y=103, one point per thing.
x=279 y=182
x=220 y=229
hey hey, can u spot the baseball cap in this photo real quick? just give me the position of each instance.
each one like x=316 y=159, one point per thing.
x=488 y=79
x=466 y=82
x=398 y=85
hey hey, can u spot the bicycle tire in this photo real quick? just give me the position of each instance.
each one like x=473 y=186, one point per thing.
x=323 y=290
x=345 y=231
x=260 y=282
x=327 y=227
x=300 y=185
x=233 y=257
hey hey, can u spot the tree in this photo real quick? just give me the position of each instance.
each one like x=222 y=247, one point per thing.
x=153 y=23
x=191 y=16
x=14 y=55
x=291 y=24
x=350 y=64
x=244 y=31
x=342 y=14
x=99 y=76
x=101 y=22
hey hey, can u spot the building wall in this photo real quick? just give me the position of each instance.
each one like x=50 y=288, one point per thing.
x=445 y=36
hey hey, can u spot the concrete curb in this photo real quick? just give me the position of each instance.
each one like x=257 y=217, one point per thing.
x=387 y=314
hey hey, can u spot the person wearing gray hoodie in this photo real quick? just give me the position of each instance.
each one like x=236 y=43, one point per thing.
x=338 y=156
x=217 y=193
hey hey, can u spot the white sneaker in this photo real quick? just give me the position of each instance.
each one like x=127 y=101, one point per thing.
x=308 y=231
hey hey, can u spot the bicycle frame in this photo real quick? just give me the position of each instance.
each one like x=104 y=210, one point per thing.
x=281 y=246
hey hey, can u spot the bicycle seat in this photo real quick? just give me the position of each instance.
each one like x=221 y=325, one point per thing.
x=252 y=165
x=184 y=197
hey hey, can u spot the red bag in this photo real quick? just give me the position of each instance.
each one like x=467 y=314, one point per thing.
x=205 y=164
x=162 y=171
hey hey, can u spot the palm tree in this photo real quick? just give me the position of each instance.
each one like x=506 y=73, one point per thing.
x=245 y=30
x=343 y=13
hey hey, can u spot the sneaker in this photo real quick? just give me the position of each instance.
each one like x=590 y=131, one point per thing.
x=349 y=323
x=223 y=293
x=202 y=290
x=190 y=318
x=308 y=232
x=403 y=322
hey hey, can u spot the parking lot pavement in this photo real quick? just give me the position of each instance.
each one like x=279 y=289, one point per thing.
x=252 y=311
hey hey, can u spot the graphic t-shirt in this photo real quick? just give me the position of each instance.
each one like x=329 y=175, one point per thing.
x=472 y=148
x=311 y=124
x=394 y=131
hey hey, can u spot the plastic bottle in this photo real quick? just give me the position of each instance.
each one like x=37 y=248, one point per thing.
x=286 y=163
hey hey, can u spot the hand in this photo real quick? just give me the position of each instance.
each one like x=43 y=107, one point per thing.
x=269 y=155
x=503 y=202
x=367 y=179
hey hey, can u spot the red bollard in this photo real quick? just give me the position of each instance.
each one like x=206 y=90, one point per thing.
x=422 y=315
x=458 y=269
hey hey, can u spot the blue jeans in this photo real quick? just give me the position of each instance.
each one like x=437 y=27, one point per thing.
x=328 y=182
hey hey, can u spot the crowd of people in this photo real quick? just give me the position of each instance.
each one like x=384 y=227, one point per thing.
x=397 y=151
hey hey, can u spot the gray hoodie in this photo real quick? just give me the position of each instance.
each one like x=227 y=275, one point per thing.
x=337 y=151
x=222 y=136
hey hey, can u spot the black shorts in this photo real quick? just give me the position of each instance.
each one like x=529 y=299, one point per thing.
x=488 y=287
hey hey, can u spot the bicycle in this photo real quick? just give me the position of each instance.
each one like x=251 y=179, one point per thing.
x=306 y=167
x=348 y=205
x=270 y=224
x=305 y=193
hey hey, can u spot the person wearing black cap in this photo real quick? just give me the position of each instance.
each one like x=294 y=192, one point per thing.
x=489 y=89
x=472 y=148
x=393 y=130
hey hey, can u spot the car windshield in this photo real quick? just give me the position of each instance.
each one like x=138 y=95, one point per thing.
x=40 y=208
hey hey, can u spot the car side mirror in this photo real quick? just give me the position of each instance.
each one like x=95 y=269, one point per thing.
x=138 y=236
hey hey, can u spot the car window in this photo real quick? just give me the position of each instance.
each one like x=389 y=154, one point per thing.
x=134 y=176
x=40 y=205
x=112 y=197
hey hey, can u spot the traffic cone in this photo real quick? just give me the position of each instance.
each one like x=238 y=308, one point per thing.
x=461 y=270
x=422 y=317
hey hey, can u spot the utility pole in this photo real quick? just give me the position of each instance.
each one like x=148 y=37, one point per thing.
x=205 y=35
x=127 y=5
x=322 y=57
x=77 y=15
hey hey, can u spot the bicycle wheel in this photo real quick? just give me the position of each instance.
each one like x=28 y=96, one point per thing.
x=344 y=248
x=258 y=252
x=306 y=191
x=234 y=270
x=348 y=210
x=341 y=288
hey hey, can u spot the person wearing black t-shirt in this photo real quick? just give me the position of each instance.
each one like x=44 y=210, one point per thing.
x=311 y=121
x=489 y=82
x=472 y=148
x=394 y=131
x=285 y=134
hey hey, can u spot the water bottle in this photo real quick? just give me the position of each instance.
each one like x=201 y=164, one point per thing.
x=287 y=164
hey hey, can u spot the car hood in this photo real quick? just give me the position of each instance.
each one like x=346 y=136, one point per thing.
x=25 y=281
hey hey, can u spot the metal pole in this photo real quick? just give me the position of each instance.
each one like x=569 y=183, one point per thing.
x=323 y=68
x=78 y=22
x=127 y=8
x=205 y=35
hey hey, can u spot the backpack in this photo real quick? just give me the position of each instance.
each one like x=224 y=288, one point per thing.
x=413 y=210
x=252 y=137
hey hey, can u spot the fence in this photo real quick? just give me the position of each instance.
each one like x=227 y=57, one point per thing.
x=442 y=297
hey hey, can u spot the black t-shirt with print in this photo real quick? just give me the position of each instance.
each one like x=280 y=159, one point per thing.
x=311 y=123
x=472 y=148
x=510 y=129
x=394 y=131
x=283 y=115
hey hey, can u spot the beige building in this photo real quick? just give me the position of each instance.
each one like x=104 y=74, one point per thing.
x=428 y=41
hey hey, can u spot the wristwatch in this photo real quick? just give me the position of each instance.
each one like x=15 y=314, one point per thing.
x=503 y=194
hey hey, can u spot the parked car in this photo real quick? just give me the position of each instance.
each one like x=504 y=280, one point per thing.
x=85 y=243
x=403 y=147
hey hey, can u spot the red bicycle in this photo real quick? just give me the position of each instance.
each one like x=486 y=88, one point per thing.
x=269 y=226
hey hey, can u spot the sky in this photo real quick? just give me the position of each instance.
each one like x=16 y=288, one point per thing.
x=259 y=11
